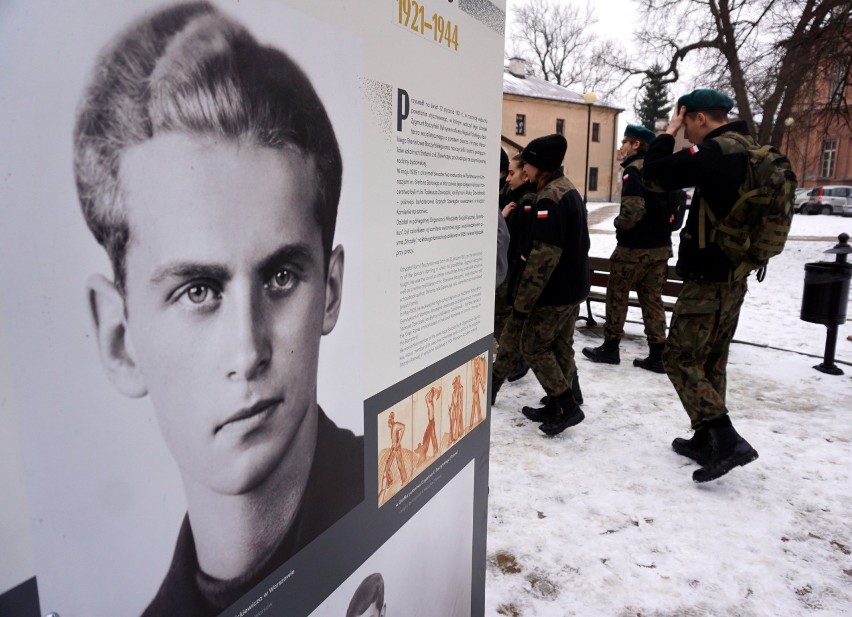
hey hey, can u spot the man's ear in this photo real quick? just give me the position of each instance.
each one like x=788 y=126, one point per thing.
x=114 y=344
x=333 y=290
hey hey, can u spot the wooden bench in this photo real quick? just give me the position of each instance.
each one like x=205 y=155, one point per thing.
x=599 y=269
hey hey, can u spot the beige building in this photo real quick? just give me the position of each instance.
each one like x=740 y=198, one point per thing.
x=533 y=107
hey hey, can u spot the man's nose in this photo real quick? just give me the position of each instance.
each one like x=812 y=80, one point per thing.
x=251 y=353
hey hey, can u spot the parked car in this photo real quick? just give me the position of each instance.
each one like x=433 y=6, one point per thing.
x=828 y=200
x=803 y=196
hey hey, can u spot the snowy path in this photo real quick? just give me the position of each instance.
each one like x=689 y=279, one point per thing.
x=605 y=519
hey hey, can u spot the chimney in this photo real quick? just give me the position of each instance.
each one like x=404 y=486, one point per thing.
x=518 y=67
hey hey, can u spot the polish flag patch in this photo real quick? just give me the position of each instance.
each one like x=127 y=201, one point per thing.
x=528 y=208
x=693 y=150
x=541 y=214
x=624 y=177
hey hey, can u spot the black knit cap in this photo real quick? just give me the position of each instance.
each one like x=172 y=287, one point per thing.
x=504 y=160
x=546 y=152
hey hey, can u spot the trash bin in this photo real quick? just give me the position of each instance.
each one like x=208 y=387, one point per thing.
x=825 y=297
x=826 y=292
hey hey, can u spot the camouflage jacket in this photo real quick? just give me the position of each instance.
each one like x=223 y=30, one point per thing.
x=641 y=222
x=556 y=271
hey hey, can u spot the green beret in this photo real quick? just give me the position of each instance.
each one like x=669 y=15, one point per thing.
x=639 y=133
x=705 y=99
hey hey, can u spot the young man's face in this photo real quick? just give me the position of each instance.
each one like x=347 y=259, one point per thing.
x=516 y=175
x=629 y=147
x=695 y=127
x=226 y=301
x=531 y=171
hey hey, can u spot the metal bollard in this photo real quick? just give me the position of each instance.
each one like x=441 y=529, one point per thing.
x=825 y=296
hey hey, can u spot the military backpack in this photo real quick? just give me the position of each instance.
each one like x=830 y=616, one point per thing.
x=756 y=228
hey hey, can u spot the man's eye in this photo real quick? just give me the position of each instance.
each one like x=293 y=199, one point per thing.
x=282 y=280
x=198 y=294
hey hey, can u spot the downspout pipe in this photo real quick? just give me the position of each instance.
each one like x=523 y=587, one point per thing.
x=612 y=164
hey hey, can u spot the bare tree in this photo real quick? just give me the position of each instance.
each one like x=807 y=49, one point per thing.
x=766 y=53
x=553 y=37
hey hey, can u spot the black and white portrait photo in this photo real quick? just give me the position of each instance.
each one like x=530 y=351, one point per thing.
x=181 y=270
x=423 y=570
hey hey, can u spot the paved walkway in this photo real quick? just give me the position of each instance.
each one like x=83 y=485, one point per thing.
x=599 y=215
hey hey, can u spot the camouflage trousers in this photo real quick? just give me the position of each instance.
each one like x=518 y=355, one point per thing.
x=546 y=341
x=646 y=276
x=502 y=308
x=696 y=352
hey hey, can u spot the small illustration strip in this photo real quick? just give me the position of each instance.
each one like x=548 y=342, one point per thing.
x=418 y=430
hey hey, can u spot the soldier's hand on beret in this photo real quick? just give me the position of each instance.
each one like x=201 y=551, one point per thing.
x=677 y=121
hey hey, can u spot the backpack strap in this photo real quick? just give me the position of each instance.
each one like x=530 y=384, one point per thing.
x=730 y=142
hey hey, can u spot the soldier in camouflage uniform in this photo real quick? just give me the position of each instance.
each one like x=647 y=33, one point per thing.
x=708 y=308
x=517 y=210
x=639 y=261
x=554 y=281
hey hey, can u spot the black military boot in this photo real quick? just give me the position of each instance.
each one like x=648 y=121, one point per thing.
x=496 y=382
x=521 y=369
x=575 y=390
x=549 y=412
x=569 y=415
x=696 y=447
x=727 y=450
x=607 y=353
x=654 y=361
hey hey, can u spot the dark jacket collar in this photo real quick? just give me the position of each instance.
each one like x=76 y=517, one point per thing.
x=554 y=175
x=737 y=126
x=626 y=162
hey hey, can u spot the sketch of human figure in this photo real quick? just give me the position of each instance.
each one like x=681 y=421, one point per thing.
x=396 y=456
x=456 y=410
x=397 y=430
x=478 y=383
x=429 y=435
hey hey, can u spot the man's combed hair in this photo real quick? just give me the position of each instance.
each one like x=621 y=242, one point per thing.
x=190 y=69
x=371 y=592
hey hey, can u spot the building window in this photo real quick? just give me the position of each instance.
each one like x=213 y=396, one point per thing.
x=560 y=126
x=837 y=81
x=593 y=178
x=520 y=124
x=596 y=131
x=829 y=156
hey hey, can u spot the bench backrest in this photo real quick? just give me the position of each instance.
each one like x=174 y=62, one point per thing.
x=599 y=269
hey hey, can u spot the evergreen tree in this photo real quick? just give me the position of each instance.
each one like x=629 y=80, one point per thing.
x=655 y=103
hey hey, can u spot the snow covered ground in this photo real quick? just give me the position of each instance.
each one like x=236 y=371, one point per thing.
x=605 y=519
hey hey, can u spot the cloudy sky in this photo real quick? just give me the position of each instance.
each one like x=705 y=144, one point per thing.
x=618 y=20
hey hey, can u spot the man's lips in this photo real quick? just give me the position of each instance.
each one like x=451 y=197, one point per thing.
x=254 y=411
